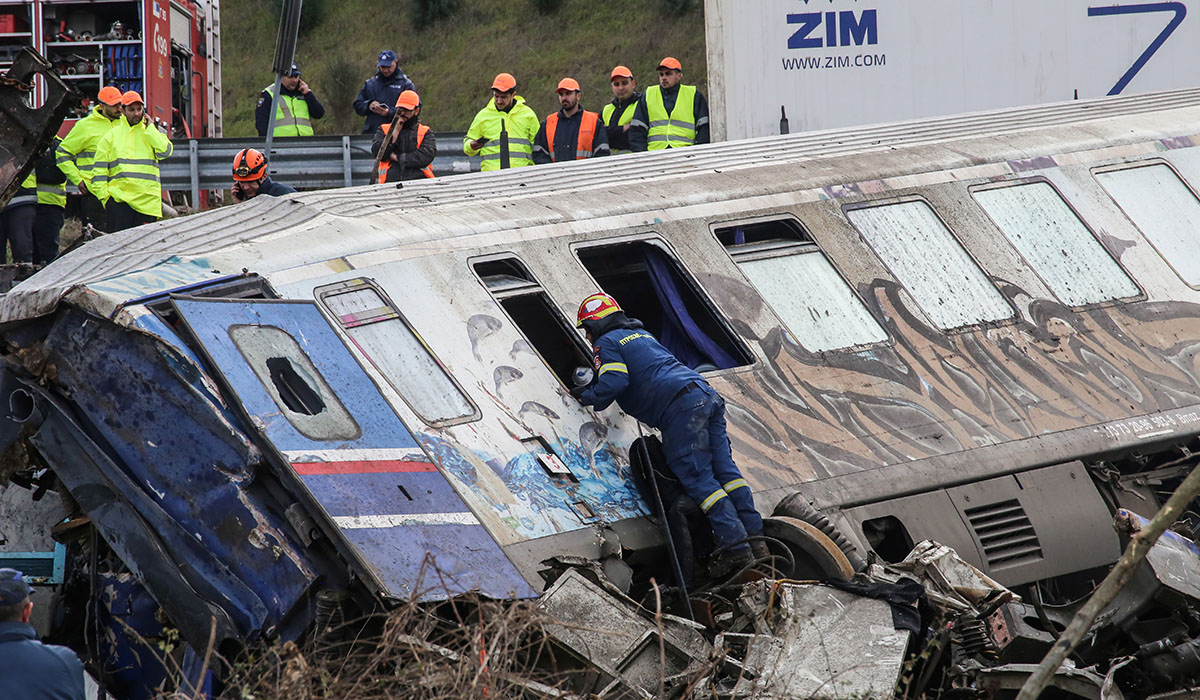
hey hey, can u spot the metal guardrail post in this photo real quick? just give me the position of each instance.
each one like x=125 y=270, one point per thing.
x=346 y=161
x=194 y=156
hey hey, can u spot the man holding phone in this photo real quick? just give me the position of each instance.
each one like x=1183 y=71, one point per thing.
x=125 y=174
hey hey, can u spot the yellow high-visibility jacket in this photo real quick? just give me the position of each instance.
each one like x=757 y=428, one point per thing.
x=522 y=125
x=126 y=167
x=76 y=154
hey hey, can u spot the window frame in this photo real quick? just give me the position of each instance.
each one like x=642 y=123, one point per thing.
x=536 y=287
x=1005 y=184
x=652 y=237
x=347 y=285
x=797 y=248
x=1134 y=165
x=1013 y=318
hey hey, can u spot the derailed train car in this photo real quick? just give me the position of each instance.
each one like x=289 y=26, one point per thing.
x=980 y=330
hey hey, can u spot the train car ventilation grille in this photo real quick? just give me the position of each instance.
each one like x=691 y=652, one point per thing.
x=1007 y=536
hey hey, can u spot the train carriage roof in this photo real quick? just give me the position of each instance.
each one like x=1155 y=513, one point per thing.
x=270 y=234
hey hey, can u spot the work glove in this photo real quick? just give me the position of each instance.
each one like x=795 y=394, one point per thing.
x=577 y=392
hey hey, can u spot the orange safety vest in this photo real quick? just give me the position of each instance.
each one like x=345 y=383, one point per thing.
x=587 y=132
x=386 y=165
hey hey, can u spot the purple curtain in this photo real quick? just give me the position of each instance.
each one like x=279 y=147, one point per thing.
x=679 y=333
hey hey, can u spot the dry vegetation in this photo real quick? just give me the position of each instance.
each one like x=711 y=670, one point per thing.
x=453 y=61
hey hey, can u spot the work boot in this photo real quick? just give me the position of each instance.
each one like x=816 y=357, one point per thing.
x=760 y=550
x=730 y=562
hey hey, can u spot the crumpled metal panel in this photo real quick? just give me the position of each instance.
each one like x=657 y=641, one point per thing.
x=824 y=643
x=25 y=130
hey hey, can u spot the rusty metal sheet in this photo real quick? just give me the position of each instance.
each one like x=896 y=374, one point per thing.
x=25 y=130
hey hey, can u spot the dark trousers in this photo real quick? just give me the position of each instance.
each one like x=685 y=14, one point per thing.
x=16 y=228
x=47 y=223
x=93 y=212
x=698 y=454
x=122 y=216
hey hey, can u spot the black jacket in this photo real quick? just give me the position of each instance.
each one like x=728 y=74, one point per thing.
x=566 y=140
x=262 y=114
x=382 y=90
x=410 y=159
x=618 y=137
x=274 y=189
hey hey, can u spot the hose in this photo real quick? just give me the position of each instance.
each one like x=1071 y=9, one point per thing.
x=797 y=506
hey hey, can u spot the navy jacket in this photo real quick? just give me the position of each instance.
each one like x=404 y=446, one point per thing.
x=273 y=188
x=383 y=90
x=634 y=370
x=30 y=670
x=566 y=139
x=639 y=128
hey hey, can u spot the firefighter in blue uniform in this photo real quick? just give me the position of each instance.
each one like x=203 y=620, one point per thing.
x=650 y=384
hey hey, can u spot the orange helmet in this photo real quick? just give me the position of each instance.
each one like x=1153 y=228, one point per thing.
x=596 y=307
x=249 y=165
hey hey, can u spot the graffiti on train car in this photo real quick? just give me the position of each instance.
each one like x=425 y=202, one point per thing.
x=933 y=393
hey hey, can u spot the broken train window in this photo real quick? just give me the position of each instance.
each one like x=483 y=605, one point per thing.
x=651 y=286
x=795 y=278
x=552 y=336
x=385 y=338
x=303 y=395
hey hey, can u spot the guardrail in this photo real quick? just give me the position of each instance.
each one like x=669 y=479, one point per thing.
x=304 y=162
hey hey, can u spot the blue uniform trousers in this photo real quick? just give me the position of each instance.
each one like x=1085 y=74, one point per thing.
x=697 y=451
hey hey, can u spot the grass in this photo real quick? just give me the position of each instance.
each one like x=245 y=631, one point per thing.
x=453 y=61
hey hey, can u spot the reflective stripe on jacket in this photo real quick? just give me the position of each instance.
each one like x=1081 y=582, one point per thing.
x=626 y=117
x=522 y=125
x=675 y=129
x=386 y=164
x=587 y=134
x=27 y=194
x=636 y=371
x=127 y=167
x=291 y=114
x=55 y=195
x=76 y=154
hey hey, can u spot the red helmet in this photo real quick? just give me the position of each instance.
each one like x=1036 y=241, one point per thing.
x=249 y=165
x=596 y=307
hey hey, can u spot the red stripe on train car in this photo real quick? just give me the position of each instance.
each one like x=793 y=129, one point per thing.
x=362 y=467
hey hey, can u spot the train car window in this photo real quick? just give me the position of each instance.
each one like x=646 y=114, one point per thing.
x=928 y=260
x=791 y=273
x=1056 y=243
x=385 y=338
x=294 y=383
x=652 y=287
x=1165 y=210
x=552 y=336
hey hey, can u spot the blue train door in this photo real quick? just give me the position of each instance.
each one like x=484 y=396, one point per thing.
x=309 y=398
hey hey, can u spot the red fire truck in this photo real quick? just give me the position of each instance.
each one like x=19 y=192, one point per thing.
x=167 y=50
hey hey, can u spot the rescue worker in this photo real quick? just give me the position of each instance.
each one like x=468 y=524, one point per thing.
x=30 y=670
x=16 y=221
x=408 y=156
x=669 y=115
x=77 y=152
x=379 y=93
x=572 y=133
x=618 y=114
x=125 y=176
x=506 y=112
x=250 y=177
x=651 y=385
x=51 y=207
x=297 y=109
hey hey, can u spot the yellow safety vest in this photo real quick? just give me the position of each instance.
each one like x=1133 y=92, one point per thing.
x=127 y=167
x=522 y=125
x=291 y=115
x=676 y=129
x=625 y=118
x=54 y=195
x=76 y=154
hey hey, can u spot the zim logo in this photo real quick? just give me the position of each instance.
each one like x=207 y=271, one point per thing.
x=841 y=29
